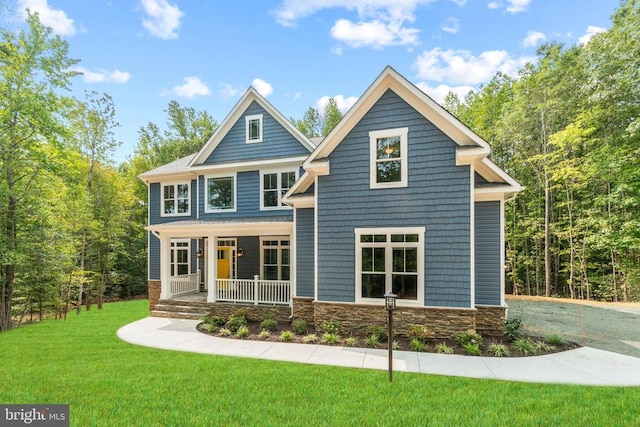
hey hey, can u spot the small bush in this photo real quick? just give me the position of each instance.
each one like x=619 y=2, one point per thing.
x=264 y=334
x=524 y=346
x=379 y=331
x=395 y=345
x=310 y=339
x=329 y=338
x=286 y=336
x=241 y=312
x=242 y=332
x=472 y=349
x=211 y=328
x=541 y=346
x=372 y=341
x=416 y=345
x=469 y=337
x=224 y=332
x=330 y=327
x=443 y=348
x=420 y=332
x=218 y=321
x=299 y=326
x=498 y=349
x=234 y=323
x=270 y=325
x=512 y=326
x=351 y=342
x=555 y=339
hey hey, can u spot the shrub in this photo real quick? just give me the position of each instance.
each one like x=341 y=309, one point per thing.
x=241 y=312
x=417 y=345
x=420 y=332
x=351 y=342
x=286 y=336
x=329 y=338
x=541 y=346
x=330 y=327
x=555 y=339
x=310 y=339
x=524 y=346
x=372 y=341
x=224 y=332
x=218 y=321
x=379 y=331
x=270 y=325
x=234 y=323
x=264 y=334
x=498 y=349
x=299 y=326
x=242 y=332
x=472 y=349
x=512 y=325
x=395 y=345
x=211 y=328
x=469 y=337
x=443 y=348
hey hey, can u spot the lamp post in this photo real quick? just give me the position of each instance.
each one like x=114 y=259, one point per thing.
x=390 y=305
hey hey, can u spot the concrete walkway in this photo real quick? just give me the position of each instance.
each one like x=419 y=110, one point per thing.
x=586 y=366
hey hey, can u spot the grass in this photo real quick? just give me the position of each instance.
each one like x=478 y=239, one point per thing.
x=107 y=382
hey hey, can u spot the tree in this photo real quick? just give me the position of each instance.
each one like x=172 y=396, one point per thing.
x=314 y=124
x=331 y=116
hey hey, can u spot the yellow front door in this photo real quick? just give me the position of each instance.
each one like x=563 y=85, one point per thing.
x=224 y=263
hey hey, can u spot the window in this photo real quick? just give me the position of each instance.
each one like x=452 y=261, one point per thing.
x=274 y=186
x=175 y=199
x=220 y=194
x=390 y=260
x=254 y=128
x=180 y=263
x=275 y=258
x=388 y=158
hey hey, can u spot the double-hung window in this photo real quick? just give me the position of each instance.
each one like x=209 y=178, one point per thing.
x=180 y=263
x=388 y=158
x=275 y=258
x=175 y=199
x=220 y=194
x=390 y=260
x=254 y=128
x=274 y=186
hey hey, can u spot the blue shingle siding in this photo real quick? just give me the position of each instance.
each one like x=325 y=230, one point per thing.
x=487 y=248
x=154 y=257
x=249 y=266
x=276 y=142
x=437 y=198
x=304 y=252
x=478 y=179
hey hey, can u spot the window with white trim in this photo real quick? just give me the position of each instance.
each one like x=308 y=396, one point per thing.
x=388 y=151
x=254 y=128
x=180 y=260
x=390 y=260
x=175 y=199
x=274 y=186
x=220 y=194
x=275 y=258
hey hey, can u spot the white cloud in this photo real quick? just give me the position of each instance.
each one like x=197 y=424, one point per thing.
x=191 y=88
x=438 y=93
x=461 y=67
x=533 y=38
x=263 y=88
x=494 y=5
x=162 y=19
x=57 y=19
x=344 y=103
x=229 y=91
x=591 y=31
x=452 y=26
x=103 y=76
x=376 y=34
x=460 y=2
x=516 y=6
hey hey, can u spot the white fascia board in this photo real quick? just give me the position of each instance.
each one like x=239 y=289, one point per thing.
x=195 y=231
x=301 y=185
x=470 y=156
x=166 y=177
x=287 y=162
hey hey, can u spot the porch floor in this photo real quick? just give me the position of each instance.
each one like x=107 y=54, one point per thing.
x=194 y=297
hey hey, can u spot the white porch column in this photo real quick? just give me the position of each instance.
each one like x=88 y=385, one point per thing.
x=212 y=267
x=165 y=266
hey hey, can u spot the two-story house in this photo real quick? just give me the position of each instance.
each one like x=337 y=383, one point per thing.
x=400 y=197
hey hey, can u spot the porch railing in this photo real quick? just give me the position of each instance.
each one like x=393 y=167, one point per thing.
x=185 y=283
x=254 y=291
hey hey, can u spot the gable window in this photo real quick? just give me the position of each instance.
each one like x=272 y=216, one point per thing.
x=274 y=186
x=180 y=263
x=388 y=166
x=175 y=199
x=275 y=258
x=254 y=128
x=390 y=260
x=220 y=194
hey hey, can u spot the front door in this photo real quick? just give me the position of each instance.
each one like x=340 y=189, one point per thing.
x=224 y=262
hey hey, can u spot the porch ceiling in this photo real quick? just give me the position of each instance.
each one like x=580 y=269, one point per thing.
x=225 y=227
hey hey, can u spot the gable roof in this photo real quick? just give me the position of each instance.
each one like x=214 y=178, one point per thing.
x=251 y=95
x=177 y=167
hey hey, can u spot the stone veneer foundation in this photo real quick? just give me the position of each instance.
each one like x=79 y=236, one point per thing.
x=153 y=289
x=254 y=312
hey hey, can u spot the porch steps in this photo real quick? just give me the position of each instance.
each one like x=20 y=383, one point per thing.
x=181 y=310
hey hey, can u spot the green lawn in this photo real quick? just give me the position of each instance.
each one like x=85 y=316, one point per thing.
x=107 y=382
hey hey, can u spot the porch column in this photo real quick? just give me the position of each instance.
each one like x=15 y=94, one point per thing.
x=212 y=270
x=165 y=266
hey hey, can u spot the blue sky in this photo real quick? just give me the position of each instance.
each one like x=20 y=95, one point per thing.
x=297 y=53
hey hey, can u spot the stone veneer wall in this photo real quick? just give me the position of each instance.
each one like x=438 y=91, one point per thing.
x=445 y=322
x=153 y=289
x=254 y=312
x=303 y=309
x=490 y=319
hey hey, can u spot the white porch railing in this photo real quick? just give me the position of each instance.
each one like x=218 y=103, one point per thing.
x=254 y=291
x=184 y=283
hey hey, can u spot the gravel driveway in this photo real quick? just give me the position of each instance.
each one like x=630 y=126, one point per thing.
x=612 y=327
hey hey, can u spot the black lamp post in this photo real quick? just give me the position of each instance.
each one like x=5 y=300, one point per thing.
x=390 y=305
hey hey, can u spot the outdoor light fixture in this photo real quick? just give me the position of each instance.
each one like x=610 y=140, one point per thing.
x=390 y=305
x=240 y=253
x=199 y=253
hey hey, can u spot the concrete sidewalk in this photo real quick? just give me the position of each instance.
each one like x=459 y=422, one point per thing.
x=585 y=366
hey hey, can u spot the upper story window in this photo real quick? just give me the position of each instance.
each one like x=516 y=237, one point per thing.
x=388 y=165
x=220 y=194
x=175 y=199
x=254 y=128
x=274 y=186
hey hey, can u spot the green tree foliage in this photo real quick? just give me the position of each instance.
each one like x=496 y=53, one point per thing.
x=314 y=124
